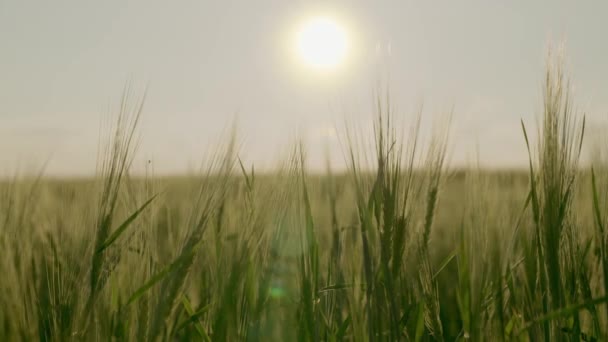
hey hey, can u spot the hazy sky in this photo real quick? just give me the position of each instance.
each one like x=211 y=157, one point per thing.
x=62 y=63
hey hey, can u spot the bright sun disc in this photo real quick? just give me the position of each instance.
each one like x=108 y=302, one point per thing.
x=322 y=43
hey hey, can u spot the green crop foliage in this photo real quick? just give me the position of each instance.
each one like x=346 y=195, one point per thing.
x=396 y=247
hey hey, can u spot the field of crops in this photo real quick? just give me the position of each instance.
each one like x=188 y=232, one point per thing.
x=398 y=247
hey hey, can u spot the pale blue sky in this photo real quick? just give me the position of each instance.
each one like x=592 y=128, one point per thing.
x=63 y=62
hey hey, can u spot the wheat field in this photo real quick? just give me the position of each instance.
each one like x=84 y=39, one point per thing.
x=400 y=248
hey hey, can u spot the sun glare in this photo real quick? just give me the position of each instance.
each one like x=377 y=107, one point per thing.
x=322 y=43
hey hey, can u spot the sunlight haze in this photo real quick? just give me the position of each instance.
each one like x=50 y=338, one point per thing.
x=322 y=43
x=64 y=64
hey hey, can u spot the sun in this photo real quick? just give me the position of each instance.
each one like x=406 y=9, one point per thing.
x=322 y=43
